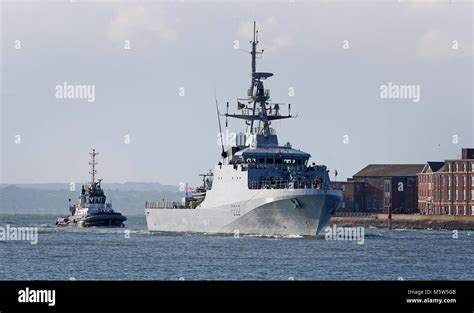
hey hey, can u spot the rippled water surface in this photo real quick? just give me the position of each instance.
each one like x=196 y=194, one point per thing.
x=132 y=253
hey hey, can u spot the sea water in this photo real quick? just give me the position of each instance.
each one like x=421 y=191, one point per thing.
x=132 y=253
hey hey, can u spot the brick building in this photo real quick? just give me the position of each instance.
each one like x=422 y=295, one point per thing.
x=377 y=186
x=448 y=187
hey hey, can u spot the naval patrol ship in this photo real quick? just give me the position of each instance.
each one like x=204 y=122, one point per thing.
x=92 y=209
x=258 y=186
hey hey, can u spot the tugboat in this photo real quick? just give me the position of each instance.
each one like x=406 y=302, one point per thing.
x=92 y=209
x=258 y=186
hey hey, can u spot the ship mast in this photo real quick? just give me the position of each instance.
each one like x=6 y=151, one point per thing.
x=254 y=52
x=259 y=96
x=93 y=163
x=254 y=68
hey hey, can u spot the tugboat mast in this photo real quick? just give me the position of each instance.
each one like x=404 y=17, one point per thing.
x=93 y=163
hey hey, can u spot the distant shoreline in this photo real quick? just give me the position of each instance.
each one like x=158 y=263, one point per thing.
x=407 y=221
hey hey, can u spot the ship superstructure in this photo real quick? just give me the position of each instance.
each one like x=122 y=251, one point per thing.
x=258 y=185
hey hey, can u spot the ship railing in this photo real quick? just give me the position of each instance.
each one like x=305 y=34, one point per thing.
x=164 y=205
x=278 y=167
x=293 y=184
x=284 y=184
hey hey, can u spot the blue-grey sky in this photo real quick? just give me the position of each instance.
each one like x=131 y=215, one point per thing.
x=335 y=55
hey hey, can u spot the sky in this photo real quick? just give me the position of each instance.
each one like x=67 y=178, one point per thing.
x=154 y=66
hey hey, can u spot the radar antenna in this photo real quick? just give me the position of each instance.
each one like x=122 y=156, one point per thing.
x=261 y=109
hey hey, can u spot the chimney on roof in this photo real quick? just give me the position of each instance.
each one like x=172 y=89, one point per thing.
x=467 y=153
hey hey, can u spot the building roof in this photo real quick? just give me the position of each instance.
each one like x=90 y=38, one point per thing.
x=442 y=168
x=387 y=170
x=435 y=166
x=432 y=167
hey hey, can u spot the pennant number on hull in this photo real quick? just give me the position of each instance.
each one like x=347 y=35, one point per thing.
x=235 y=209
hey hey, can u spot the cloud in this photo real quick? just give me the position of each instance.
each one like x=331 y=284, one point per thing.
x=133 y=21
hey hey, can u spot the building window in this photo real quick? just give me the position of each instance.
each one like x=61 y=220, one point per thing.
x=449 y=209
x=449 y=180
x=465 y=180
x=472 y=209
x=457 y=167
x=465 y=167
x=449 y=194
x=449 y=167
x=464 y=194
x=457 y=195
x=457 y=180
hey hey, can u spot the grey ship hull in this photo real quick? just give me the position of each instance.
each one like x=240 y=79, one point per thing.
x=98 y=220
x=289 y=212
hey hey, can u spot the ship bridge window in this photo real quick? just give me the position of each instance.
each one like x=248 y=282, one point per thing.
x=299 y=161
x=261 y=160
x=269 y=161
x=278 y=161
